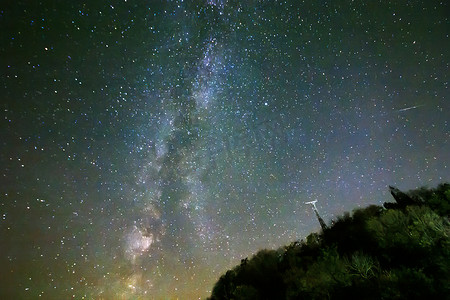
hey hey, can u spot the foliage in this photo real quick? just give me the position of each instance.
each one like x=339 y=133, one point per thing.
x=401 y=251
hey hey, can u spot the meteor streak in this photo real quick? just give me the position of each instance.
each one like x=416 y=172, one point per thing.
x=411 y=107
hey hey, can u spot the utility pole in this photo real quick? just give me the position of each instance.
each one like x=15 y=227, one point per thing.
x=321 y=221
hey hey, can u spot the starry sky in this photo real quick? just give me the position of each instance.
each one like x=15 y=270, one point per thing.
x=148 y=146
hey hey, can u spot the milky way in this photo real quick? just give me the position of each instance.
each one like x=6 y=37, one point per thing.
x=148 y=146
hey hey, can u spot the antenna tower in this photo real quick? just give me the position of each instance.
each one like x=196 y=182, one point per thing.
x=321 y=221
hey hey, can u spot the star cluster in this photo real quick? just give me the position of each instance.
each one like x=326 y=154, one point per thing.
x=147 y=146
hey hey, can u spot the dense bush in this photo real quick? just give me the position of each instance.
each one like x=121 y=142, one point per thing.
x=401 y=251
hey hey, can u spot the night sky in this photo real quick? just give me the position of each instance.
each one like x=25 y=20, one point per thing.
x=148 y=146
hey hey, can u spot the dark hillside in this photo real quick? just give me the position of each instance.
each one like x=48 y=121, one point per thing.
x=399 y=251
